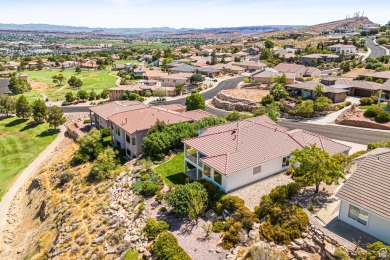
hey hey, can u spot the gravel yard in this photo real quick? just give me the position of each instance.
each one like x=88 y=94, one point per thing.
x=247 y=93
x=252 y=193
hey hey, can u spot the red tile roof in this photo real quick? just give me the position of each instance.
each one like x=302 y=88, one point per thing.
x=247 y=143
x=288 y=68
x=368 y=187
x=111 y=108
x=142 y=119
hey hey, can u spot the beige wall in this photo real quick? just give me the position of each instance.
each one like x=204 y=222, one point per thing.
x=172 y=82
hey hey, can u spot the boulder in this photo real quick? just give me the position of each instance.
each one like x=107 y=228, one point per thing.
x=303 y=255
x=254 y=234
x=329 y=250
x=210 y=215
x=299 y=241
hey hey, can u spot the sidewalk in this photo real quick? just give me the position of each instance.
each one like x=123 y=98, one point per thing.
x=34 y=165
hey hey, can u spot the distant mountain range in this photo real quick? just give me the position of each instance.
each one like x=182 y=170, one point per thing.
x=134 y=31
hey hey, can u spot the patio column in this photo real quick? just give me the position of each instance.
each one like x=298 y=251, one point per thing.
x=197 y=165
x=379 y=98
x=185 y=155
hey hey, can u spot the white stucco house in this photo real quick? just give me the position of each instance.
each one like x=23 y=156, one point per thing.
x=365 y=197
x=341 y=48
x=236 y=154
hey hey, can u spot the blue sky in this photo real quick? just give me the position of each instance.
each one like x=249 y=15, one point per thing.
x=187 y=13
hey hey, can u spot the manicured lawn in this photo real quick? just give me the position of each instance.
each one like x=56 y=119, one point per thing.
x=20 y=144
x=92 y=80
x=383 y=105
x=172 y=170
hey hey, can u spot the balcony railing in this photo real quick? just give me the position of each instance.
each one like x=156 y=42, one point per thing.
x=200 y=164
x=191 y=158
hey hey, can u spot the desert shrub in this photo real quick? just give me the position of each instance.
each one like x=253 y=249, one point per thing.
x=131 y=254
x=372 y=111
x=303 y=109
x=374 y=99
x=237 y=206
x=246 y=80
x=148 y=94
x=153 y=228
x=189 y=199
x=218 y=226
x=283 y=222
x=383 y=143
x=322 y=104
x=104 y=165
x=348 y=103
x=366 y=101
x=141 y=206
x=235 y=116
x=166 y=247
x=159 y=196
x=382 y=117
x=65 y=177
x=231 y=237
x=148 y=184
x=268 y=99
x=375 y=247
x=340 y=106
x=341 y=254
x=380 y=81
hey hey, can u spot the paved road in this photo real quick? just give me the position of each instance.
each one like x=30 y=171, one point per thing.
x=6 y=201
x=226 y=84
x=376 y=50
x=348 y=134
x=75 y=109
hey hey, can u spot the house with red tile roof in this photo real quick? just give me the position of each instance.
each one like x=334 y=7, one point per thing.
x=239 y=153
x=365 y=196
x=129 y=128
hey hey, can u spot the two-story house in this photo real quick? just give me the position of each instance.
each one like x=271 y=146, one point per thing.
x=239 y=153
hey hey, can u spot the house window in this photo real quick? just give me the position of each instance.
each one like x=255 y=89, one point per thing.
x=207 y=171
x=357 y=214
x=127 y=139
x=218 y=177
x=112 y=127
x=133 y=140
x=117 y=131
x=128 y=152
x=257 y=170
x=286 y=161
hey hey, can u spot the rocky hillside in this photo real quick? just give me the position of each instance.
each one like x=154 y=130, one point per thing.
x=318 y=28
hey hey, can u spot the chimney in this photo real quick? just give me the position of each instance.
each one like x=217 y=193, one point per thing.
x=124 y=121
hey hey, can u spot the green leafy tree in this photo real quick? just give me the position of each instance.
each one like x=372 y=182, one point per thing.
x=39 y=110
x=196 y=78
x=195 y=101
x=78 y=69
x=316 y=166
x=213 y=58
x=69 y=97
x=104 y=165
x=319 y=90
x=133 y=96
x=273 y=111
x=7 y=104
x=179 y=89
x=190 y=199
x=23 y=108
x=153 y=228
x=55 y=117
x=92 y=95
x=90 y=145
x=104 y=94
x=323 y=104
x=18 y=85
x=75 y=82
x=269 y=44
x=58 y=79
x=82 y=94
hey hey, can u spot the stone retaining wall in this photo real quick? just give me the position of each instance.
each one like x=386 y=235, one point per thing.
x=230 y=103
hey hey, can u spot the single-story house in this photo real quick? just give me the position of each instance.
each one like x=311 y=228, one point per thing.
x=119 y=67
x=250 y=65
x=307 y=91
x=229 y=67
x=298 y=70
x=314 y=59
x=4 y=87
x=12 y=65
x=239 y=153
x=183 y=68
x=69 y=64
x=89 y=65
x=312 y=72
x=365 y=196
x=267 y=75
x=139 y=71
x=359 y=88
x=154 y=74
x=99 y=114
x=208 y=71
x=384 y=75
x=384 y=93
x=341 y=48
x=252 y=51
x=129 y=128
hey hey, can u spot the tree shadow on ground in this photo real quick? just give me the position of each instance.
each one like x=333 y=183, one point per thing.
x=48 y=132
x=4 y=117
x=16 y=122
x=308 y=197
x=177 y=178
x=184 y=225
x=30 y=125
